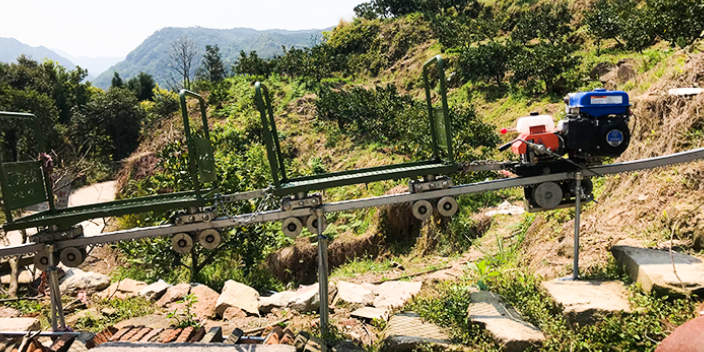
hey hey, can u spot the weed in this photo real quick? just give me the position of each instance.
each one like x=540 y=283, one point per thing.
x=120 y=309
x=187 y=318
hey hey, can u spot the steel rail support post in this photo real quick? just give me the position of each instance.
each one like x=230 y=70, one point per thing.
x=322 y=272
x=57 y=309
x=577 y=209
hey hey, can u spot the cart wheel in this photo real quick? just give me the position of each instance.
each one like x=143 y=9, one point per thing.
x=209 y=239
x=292 y=227
x=72 y=256
x=312 y=224
x=447 y=206
x=422 y=210
x=41 y=260
x=182 y=243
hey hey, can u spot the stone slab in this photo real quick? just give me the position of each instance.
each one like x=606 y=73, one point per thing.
x=19 y=324
x=190 y=347
x=354 y=294
x=406 y=331
x=154 y=321
x=653 y=270
x=371 y=313
x=395 y=293
x=585 y=302
x=504 y=324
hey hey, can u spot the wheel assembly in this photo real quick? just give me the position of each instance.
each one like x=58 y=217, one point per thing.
x=548 y=195
x=422 y=210
x=447 y=206
x=182 y=243
x=292 y=227
x=209 y=239
x=72 y=256
x=41 y=260
x=312 y=224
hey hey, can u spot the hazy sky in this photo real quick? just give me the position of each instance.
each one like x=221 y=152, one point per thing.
x=113 y=28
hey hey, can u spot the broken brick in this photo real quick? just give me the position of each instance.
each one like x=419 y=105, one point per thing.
x=185 y=334
x=173 y=335
x=152 y=334
x=121 y=333
x=62 y=343
x=138 y=336
x=129 y=335
x=198 y=335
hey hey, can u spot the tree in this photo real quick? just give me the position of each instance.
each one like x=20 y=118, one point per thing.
x=212 y=63
x=182 y=56
x=603 y=22
x=548 y=21
x=251 y=64
x=142 y=86
x=486 y=61
x=116 y=81
x=366 y=10
x=679 y=22
x=110 y=123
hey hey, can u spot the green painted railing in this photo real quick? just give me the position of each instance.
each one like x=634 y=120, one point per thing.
x=445 y=110
x=201 y=161
x=25 y=183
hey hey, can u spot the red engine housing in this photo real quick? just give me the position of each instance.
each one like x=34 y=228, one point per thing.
x=538 y=135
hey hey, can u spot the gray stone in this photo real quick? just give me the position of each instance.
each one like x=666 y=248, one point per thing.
x=407 y=331
x=79 y=280
x=235 y=294
x=19 y=324
x=154 y=291
x=584 y=302
x=307 y=298
x=346 y=346
x=395 y=293
x=354 y=294
x=504 y=323
x=122 y=289
x=189 y=347
x=653 y=270
x=173 y=294
x=277 y=300
x=371 y=313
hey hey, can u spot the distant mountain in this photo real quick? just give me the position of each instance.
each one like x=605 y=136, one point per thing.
x=11 y=48
x=95 y=66
x=152 y=55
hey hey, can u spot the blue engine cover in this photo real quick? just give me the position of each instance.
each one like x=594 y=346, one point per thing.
x=600 y=102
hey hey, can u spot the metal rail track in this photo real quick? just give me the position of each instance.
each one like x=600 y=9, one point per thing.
x=347 y=205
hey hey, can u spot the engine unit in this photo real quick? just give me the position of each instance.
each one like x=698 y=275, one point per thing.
x=596 y=124
x=595 y=127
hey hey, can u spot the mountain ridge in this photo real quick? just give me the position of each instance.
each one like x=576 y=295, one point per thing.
x=152 y=54
x=11 y=48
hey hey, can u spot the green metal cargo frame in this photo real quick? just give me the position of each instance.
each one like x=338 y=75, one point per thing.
x=439 y=164
x=26 y=183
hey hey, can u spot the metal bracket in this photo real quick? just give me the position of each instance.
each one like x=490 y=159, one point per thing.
x=289 y=203
x=203 y=216
x=442 y=182
x=45 y=236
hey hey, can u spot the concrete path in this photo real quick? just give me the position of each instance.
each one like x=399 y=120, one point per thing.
x=91 y=194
